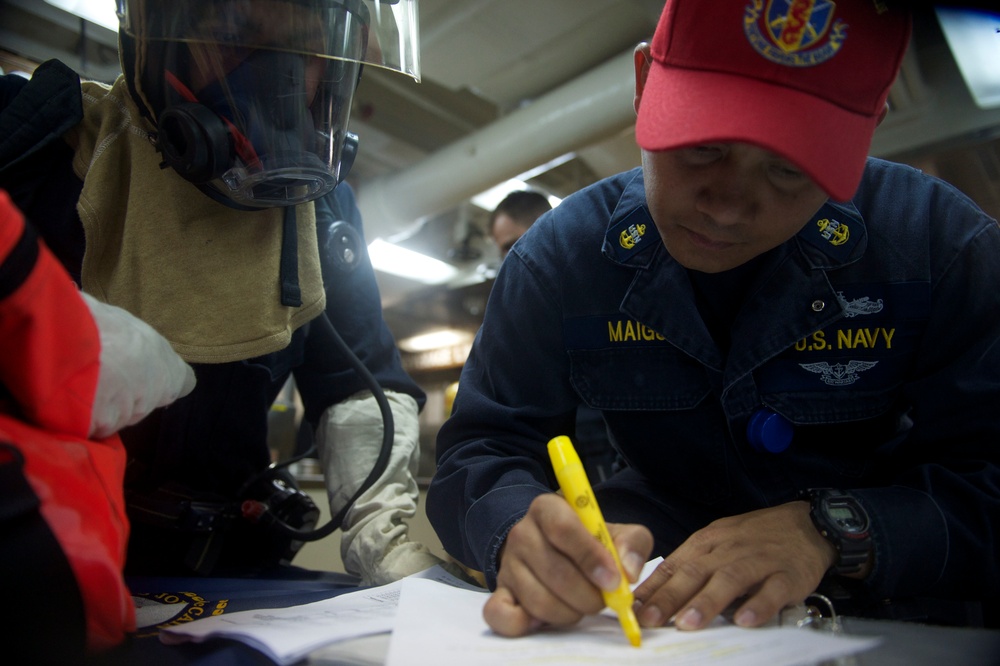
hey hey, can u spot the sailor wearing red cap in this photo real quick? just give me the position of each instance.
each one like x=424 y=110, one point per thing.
x=793 y=346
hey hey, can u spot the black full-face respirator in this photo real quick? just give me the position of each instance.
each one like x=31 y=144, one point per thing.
x=251 y=98
x=251 y=101
x=252 y=136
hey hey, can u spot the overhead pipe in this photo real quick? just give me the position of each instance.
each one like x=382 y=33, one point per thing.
x=592 y=107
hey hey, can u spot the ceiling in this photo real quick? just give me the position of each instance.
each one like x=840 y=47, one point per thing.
x=507 y=86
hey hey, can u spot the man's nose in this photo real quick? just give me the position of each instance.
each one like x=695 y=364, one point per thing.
x=727 y=199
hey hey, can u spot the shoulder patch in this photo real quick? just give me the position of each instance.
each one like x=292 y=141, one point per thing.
x=632 y=234
x=835 y=230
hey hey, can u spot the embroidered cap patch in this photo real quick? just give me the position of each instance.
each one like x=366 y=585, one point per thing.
x=794 y=33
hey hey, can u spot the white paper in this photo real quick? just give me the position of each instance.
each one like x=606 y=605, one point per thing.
x=443 y=626
x=286 y=635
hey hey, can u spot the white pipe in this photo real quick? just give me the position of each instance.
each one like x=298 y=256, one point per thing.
x=590 y=108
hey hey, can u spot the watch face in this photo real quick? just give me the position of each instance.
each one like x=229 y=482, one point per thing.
x=842 y=521
x=846 y=516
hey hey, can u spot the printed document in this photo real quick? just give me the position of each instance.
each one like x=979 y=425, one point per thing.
x=286 y=635
x=443 y=626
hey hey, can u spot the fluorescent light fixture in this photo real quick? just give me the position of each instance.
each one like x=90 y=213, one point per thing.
x=974 y=38
x=492 y=197
x=101 y=12
x=440 y=339
x=390 y=258
x=548 y=166
x=489 y=199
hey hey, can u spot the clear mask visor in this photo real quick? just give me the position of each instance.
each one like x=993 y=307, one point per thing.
x=280 y=74
x=390 y=34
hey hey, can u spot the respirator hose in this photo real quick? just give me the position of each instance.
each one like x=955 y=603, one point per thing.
x=264 y=516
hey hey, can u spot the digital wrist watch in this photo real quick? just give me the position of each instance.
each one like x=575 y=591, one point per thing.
x=842 y=521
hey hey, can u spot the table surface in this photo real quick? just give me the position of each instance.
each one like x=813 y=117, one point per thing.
x=903 y=644
x=910 y=644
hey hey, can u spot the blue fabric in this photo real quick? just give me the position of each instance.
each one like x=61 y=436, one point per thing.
x=166 y=601
x=874 y=331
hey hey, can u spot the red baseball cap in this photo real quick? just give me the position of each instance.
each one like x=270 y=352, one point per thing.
x=806 y=79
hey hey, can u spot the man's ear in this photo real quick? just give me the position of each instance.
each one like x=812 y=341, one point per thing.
x=881 y=117
x=643 y=58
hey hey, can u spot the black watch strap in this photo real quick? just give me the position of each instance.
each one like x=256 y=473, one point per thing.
x=841 y=520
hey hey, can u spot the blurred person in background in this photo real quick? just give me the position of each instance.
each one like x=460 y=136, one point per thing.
x=514 y=215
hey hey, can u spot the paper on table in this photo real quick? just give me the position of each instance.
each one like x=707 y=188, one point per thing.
x=286 y=635
x=444 y=626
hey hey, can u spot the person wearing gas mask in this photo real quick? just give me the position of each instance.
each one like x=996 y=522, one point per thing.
x=203 y=193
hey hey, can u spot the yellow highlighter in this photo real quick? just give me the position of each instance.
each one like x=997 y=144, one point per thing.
x=576 y=489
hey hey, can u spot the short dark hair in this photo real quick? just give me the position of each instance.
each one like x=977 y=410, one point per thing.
x=524 y=206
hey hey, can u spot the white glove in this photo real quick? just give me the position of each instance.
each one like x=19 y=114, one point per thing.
x=140 y=371
x=374 y=545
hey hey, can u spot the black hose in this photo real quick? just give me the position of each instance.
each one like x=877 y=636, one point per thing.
x=388 y=435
